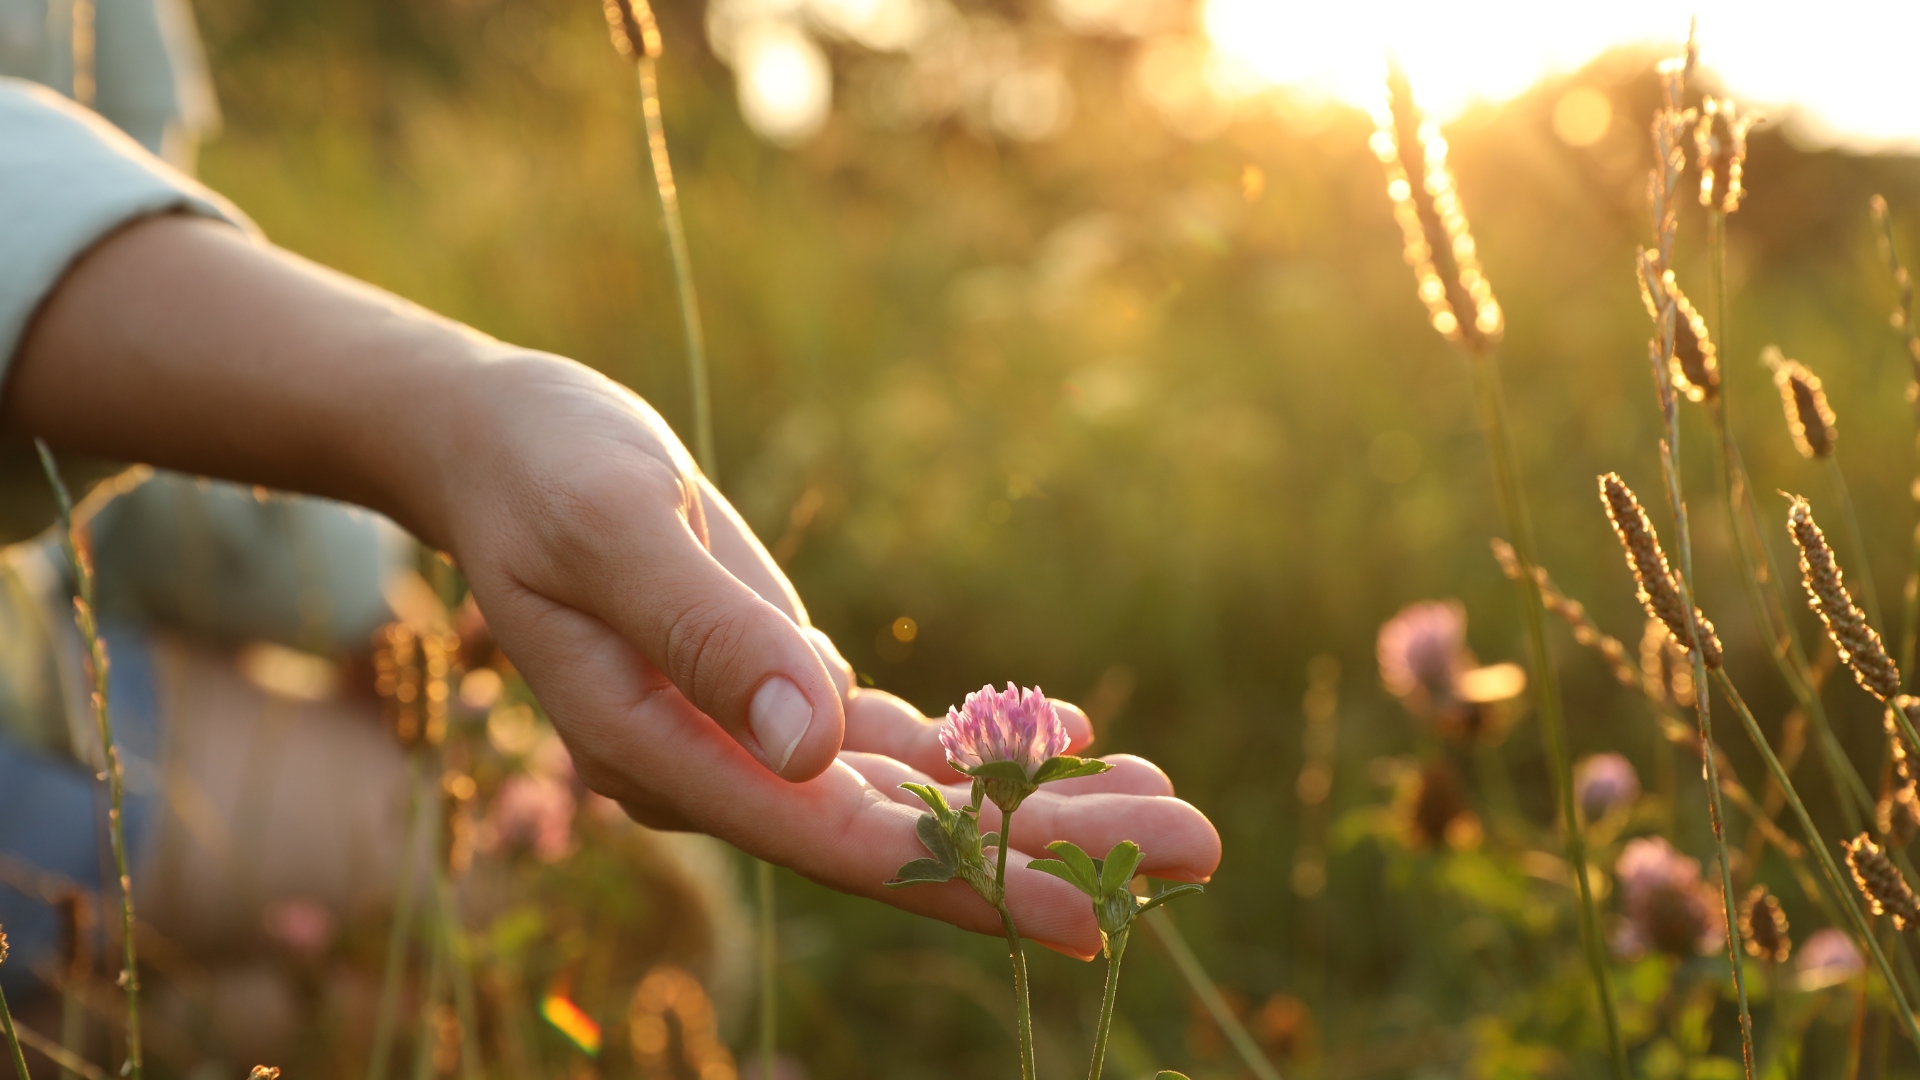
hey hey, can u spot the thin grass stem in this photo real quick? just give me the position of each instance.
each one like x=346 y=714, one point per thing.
x=1910 y=337
x=85 y=618
x=460 y=972
x=682 y=266
x=386 y=1021
x=426 y=1035
x=1863 y=930
x=13 y=1039
x=1513 y=510
x=1209 y=995
x=769 y=968
x=68 y=1061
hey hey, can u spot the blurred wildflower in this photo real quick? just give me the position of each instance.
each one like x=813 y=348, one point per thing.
x=1659 y=591
x=1425 y=662
x=1604 y=783
x=303 y=927
x=1720 y=140
x=1439 y=245
x=532 y=813
x=571 y=1020
x=1763 y=927
x=1881 y=882
x=1431 y=806
x=1810 y=419
x=1667 y=907
x=1827 y=958
x=264 y=1072
x=1857 y=641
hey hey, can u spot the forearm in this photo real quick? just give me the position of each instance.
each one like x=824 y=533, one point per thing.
x=179 y=342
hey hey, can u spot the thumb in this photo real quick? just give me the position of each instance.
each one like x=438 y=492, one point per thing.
x=736 y=657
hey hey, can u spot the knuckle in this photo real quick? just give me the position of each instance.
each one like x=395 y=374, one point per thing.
x=703 y=646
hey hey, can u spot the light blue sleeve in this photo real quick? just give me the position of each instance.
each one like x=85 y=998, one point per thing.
x=67 y=180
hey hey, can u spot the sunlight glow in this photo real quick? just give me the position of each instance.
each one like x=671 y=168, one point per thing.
x=1834 y=70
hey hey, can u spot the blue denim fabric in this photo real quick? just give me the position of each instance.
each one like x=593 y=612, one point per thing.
x=53 y=815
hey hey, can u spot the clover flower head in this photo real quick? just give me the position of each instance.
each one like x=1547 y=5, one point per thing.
x=1603 y=783
x=1423 y=651
x=1827 y=958
x=1668 y=907
x=1014 y=725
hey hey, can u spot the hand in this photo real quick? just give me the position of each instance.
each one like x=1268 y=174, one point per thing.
x=650 y=622
x=670 y=651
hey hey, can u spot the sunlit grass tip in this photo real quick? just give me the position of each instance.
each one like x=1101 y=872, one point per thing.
x=1881 y=882
x=1846 y=624
x=1810 y=419
x=1658 y=590
x=1763 y=926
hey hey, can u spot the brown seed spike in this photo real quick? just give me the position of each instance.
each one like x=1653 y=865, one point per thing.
x=1695 y=363
x=1881 y=882
x=3 y=946
x=1659 y=593
x=1720 y=140
x=635 y=33
x=1859 y=645
x=1763 y=927
x=1810 y=419
x=1898 y=813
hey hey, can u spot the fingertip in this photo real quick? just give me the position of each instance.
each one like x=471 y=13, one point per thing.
x=837 y=667
x=1079 y=726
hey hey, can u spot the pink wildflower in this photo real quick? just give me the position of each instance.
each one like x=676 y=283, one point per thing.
x=1423 y=651
x=1014 y=725
x=302 y=926
x=1668 y=907
x=534 y=812
x=1603 y=783
x=1827 y=958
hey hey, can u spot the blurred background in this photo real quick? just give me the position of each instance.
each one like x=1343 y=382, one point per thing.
x=1070 y=343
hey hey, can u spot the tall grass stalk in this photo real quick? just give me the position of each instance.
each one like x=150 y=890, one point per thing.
x=1910 y=337
x=1209 y=995
x=1461 y=307
x=13 y=1039
x=1863 y=929
x=387 y=1019
x=1850 y=519
x=81 y=567
x=636 y=34
x=1669 y=133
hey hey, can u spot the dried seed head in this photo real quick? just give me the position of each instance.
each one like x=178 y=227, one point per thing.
x=1720 y=141
x=1440 y=247
x=1809 y=418
x=1859 y=645
x=1659 y=592
x=1665 y=673
x=1763 y=926
x=635 y=33
x=3 y=946
x=397 y=677
x=1881 y=882
x=1898 y=813
x=264 y=1072
x=1695 y=363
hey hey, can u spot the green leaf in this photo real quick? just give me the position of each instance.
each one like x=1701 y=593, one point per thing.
x=1116 y=870
x=1086 y=874
x=935 y=800
x=1000 y=770
x=1169 y=893
x=991 y=839
x=1060 y=870
x=1066 y=767
x=921 y=872
x=940 y=845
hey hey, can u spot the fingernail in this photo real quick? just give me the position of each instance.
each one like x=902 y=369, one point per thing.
x=779 y=715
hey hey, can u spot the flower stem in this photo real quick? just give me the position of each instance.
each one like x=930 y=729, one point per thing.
x=1209 y=995
x=20 y=1059
x=1022 y=1011
x=1513 y=510
x=1116 y=947
x=1863 y=931
x=387 y=1018
x=84 y=614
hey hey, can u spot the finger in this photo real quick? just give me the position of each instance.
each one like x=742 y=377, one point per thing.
x=1129 y=776
x=838 y=669
x=1079 y=727
x=736 y=656
x=636 y=739
x=744 y=556
x=1176 y=841
x=880 y=723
